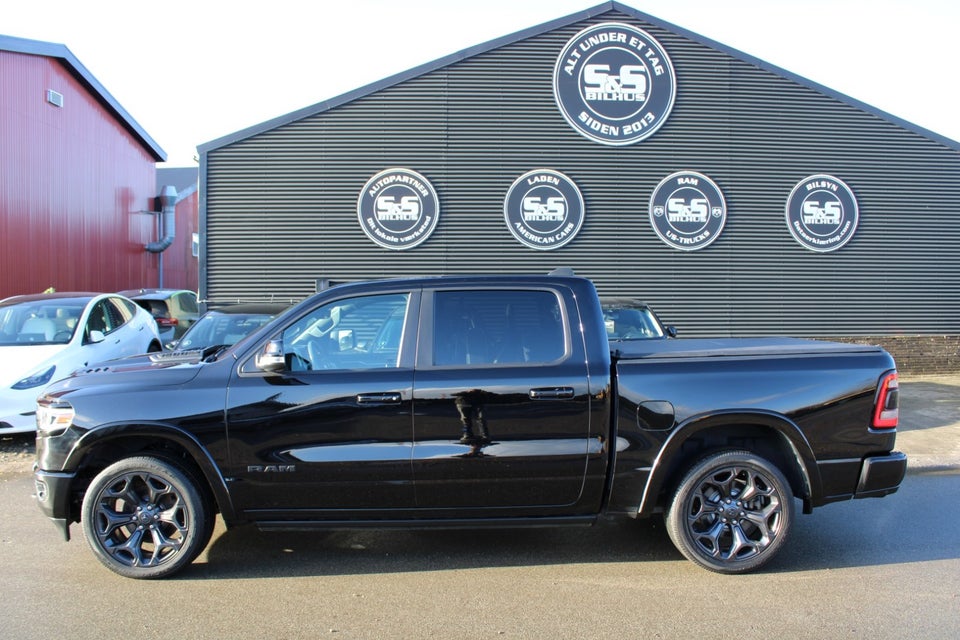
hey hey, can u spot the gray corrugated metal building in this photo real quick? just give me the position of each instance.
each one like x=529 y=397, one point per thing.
x=671 y=157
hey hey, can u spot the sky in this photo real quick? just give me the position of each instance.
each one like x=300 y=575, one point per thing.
x=190 y=72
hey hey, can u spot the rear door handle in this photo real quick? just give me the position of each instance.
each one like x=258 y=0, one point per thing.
x=379 y=398
x=552 y=393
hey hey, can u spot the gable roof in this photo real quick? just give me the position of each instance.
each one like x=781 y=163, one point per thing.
x=82 y=74
x=544 y=28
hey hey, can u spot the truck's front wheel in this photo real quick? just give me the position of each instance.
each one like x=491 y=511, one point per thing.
x=731 y=513
x=144 y=517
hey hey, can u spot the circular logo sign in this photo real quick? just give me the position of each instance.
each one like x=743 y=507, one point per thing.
x=543 y=209
x=822 y=213
x=687 y=210
x=614 y=83
x=398 y=208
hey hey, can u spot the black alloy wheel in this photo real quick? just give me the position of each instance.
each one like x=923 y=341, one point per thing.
x=731 y=513
x=145 y=517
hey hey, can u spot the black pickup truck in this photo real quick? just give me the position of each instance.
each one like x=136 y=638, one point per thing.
x=464 y=402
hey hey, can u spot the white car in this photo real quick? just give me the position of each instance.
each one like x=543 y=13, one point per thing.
x=46 y=337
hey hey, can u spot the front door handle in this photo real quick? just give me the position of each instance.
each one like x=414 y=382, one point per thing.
x=552 y=393
x=379 y=398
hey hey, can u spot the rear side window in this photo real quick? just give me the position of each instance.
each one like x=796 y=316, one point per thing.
x=507 y=327
x=187 y=302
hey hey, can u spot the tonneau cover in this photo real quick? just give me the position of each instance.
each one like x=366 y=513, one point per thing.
x=729 y=347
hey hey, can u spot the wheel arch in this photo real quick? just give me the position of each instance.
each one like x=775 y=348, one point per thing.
x=99 y=448
x=767 y=434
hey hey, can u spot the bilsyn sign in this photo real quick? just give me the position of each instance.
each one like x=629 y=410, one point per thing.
x=822 y=213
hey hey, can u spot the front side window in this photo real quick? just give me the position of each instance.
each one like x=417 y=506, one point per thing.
x=354 y=333
x=506 y=327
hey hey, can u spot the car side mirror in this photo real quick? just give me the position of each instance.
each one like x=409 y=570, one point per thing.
x=270 y=358
x=96 y=336
x=672 y=331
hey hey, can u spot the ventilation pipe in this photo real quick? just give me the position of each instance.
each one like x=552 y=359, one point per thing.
x=168 y=211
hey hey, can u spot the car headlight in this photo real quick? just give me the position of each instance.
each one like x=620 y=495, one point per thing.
x=36 y=379
x=53 y=415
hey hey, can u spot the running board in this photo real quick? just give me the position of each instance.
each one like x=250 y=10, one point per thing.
x=439 y=523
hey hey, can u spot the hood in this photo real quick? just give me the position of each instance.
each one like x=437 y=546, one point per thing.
x=141 y=370
x=20 y=361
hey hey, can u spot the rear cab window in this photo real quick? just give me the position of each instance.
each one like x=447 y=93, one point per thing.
x=509 y=327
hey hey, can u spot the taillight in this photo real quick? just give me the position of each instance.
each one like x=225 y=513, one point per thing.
x=166 y=322
x=886 y=412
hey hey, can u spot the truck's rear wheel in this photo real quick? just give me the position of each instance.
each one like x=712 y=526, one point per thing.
x=144 y=517
x=731 y=513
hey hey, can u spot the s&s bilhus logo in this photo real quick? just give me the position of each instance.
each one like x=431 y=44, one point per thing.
x=398 y=208
x=543 y=209
x=822 y=213
x=614 y=83
x=687 y=210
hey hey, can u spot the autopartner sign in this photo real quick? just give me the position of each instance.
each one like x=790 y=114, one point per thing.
x=543 y=209
x=614 y=83
x=822 y=213
x=398 y=209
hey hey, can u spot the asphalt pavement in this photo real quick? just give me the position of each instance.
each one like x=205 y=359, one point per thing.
x=929 y=430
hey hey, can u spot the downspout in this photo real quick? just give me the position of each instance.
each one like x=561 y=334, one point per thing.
x=168 y=210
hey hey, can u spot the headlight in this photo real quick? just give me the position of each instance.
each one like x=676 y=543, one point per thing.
x=53 y=415
x=36 y=379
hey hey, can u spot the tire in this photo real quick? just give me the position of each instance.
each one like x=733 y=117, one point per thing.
x=146 y=517
x=731 y=513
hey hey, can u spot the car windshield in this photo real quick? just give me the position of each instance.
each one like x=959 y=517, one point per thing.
x=216 y=328
x=39 y=321
x=631 y=322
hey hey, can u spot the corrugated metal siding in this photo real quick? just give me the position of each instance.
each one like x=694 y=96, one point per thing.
x=72 y=181
x=281 y=205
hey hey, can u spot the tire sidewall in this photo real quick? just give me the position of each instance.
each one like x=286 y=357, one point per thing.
x=676 y=517
x=198 y=519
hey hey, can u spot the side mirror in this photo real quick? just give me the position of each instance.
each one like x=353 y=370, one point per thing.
x=270 y=358
x=96 y=336
x=672 y=331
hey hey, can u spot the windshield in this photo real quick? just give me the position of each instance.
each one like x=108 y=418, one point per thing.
x=631 y=322
x=215 y=329
x=40 y=321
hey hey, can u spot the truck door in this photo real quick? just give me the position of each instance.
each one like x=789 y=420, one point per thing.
x=332 y=431
x=502 y=405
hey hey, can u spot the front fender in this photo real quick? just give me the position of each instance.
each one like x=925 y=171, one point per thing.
x=720 y=430
x=156 y=433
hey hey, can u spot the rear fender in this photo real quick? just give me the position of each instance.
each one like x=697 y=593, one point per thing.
x=724 y=429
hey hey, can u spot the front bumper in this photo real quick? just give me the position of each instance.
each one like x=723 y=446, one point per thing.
x=53 y=496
